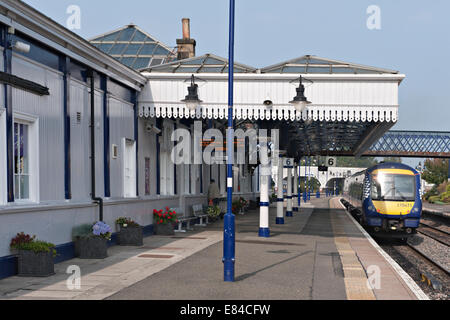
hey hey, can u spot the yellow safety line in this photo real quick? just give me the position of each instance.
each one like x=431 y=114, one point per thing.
x=355 y=278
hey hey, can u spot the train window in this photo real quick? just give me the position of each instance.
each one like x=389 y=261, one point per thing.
x=393 y=187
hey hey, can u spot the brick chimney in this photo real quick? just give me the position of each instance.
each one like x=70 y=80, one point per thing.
x=186 y=46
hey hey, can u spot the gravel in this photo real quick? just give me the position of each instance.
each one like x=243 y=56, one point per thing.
x=414 y=264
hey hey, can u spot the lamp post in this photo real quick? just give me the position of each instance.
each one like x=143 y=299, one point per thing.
x=300 y=101
x=229 y=242
x=192 y=101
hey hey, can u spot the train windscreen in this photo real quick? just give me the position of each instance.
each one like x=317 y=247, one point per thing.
x=393 y=187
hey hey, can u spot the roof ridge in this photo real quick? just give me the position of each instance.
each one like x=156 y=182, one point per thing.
x=201 y=58
x=330 y=61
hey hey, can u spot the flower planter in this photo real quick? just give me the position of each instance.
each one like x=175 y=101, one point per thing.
x=130 y=236
x=91 y=248
x=164 y=229
x=33 y=264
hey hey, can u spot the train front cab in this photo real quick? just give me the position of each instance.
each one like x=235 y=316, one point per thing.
x=394 y=205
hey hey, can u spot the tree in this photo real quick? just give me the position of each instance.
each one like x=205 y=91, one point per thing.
x=435 y=171
x=352 y=162
x=393 y=159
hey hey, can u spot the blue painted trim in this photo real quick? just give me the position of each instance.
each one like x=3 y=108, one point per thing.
x=7 y=63
x=264 y=204
x=190 y=179
x=289 y=197
x=175 y=182
x=158 y=159
x=264 y=232
x=218 y=172
x=295 y=209
x=136 y=135
x=64 y=63
x=280 y=199
x=8 y=264
x=289 y=214
x=106 y=138
x=201 y=178
x=280 y=221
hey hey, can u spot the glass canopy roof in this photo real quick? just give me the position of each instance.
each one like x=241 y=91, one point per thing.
x=316 y=65
x=207 y=63
x=134 y=47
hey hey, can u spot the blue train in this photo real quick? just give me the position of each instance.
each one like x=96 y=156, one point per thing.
x=386 y=199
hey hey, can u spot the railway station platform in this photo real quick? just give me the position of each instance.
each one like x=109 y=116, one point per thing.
x=319 y=254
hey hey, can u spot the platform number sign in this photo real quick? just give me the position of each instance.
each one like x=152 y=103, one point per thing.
x=288 y=163
x=331 y=162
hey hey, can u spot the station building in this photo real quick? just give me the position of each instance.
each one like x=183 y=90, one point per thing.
x=85 y=126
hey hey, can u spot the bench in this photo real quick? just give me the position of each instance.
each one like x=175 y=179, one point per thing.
x=198 y=213
x=182 y=219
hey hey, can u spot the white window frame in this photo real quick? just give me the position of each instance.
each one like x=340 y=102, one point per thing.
x=3 y=155
x=33 y=149
x=129 y=150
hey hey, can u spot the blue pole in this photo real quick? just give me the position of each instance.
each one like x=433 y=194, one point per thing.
x=299 y=196
x=229 y=248
x=449 y=170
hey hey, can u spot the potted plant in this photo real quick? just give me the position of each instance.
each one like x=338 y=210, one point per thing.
x=165 y=220
x=243 y=205
x=236 y=207
x=35 y=258
x=213 y=213
x=91 y=241
x=130 y=233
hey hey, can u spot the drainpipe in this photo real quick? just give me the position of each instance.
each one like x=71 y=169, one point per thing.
x=95 y=199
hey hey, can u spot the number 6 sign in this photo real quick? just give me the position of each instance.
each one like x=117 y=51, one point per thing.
x=288 y=163
x=331 y=162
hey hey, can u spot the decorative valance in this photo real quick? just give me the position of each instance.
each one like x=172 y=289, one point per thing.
x=345 y=113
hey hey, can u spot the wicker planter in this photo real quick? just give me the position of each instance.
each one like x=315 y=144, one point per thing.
x=33 y=264
x=164 y=230
x=91 y=248
x=130 y=236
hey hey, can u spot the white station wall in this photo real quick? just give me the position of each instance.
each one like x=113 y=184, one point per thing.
x=49 y=111
x=251 y=92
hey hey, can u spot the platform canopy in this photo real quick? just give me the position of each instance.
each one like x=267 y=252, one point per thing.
x=351 y=104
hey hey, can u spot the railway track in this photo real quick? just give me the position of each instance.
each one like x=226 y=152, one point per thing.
x=429 y=259
x=435 y=234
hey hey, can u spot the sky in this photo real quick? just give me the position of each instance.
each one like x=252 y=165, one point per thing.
x=413 y=38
